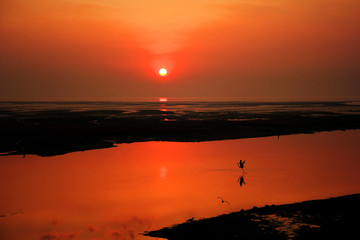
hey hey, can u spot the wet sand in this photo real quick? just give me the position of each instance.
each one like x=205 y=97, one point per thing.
x=55 y=132
x=333 y=218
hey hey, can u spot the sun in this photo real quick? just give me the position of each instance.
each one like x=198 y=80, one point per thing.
x=163 y=72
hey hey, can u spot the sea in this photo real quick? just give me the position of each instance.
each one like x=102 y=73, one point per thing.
x=124 y=191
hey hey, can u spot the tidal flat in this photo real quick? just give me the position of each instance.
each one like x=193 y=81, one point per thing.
x=53 y=128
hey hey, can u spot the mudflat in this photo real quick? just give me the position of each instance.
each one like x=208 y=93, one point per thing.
x=56 y=130
x=332 y=218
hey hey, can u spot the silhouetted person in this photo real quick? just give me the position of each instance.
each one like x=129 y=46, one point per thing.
x=241 y=180
x=241 y=165
x=222 y=201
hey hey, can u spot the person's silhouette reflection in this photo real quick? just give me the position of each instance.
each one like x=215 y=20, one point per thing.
x=241 y=180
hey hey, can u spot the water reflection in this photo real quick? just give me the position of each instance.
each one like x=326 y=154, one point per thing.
x=163 y=111
x=241 y=180
x=104 y=194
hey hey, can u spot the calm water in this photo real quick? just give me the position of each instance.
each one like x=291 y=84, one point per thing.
x=117 y=193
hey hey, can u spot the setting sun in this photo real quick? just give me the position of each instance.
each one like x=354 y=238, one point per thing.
x=163 y=99
x=163 y=72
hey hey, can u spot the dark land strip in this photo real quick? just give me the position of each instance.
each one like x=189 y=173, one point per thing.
x=333 y=218
x=55 y=132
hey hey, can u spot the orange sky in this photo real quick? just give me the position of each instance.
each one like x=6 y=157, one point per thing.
x=83 y=49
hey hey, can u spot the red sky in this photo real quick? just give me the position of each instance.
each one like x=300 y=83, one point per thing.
x=92 y=49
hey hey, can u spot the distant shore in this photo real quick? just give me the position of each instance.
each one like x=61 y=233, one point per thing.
x=333 y=218
x=58 y=131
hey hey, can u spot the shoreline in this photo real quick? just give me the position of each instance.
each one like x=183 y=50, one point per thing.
x=336 y=217
x=60 y=131
x=62 y=138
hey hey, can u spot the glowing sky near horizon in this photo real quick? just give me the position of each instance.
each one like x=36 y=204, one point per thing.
x=214 y=48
